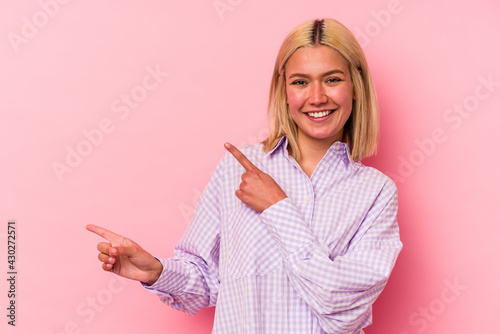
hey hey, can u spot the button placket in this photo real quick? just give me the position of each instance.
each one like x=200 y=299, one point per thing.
x=309 y=201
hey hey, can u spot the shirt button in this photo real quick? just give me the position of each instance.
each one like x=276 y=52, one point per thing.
x=308 y=199
x=337 y=147
x=327 y=165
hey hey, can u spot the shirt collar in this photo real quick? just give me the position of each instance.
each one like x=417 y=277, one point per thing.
x=338 y=148
x=343 y=151
x=283 y=140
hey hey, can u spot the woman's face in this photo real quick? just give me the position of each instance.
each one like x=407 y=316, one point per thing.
x=319 y=94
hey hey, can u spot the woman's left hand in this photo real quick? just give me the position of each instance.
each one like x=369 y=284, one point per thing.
x=258 y=190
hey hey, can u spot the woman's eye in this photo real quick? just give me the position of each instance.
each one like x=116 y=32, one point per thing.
x=299 y=82
x=331 y=80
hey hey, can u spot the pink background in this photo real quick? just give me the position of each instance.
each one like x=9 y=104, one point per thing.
x=67 y=66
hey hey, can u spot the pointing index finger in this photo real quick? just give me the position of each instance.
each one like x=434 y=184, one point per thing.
x=101 y=231
x=242 y=159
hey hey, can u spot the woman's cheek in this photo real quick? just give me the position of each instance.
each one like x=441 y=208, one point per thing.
x=295 y=99
x=342 y=95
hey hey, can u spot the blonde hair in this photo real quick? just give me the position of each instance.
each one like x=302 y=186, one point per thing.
x=361 y=129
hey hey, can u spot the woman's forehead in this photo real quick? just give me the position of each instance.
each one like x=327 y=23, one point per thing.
x=315 y=59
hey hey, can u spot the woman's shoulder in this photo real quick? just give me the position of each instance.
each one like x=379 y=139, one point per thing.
x=375 y=177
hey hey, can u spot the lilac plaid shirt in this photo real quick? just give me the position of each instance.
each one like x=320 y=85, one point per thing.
x=312 y=263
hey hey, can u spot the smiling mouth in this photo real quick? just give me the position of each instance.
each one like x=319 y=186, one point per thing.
x=319 y=114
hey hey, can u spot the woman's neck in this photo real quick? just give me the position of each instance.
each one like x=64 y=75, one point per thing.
x=311 y=153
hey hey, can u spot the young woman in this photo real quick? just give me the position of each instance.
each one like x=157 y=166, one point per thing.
x=293 y=235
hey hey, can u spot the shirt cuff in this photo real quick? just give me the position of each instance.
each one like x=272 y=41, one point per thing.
x=172 y=280
x=287 y=226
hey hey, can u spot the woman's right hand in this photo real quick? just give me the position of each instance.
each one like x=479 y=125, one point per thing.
x=125 y=258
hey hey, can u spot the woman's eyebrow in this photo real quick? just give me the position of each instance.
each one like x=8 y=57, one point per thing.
x=333 y=72
x=301 y=75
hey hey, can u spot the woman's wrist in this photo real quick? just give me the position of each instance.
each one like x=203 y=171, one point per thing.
x=155 y=273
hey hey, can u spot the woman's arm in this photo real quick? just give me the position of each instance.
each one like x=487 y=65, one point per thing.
x=339 y=290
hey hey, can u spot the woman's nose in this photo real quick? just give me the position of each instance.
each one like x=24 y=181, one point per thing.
x=318 y=94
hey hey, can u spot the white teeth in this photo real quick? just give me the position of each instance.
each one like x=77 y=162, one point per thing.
x=320 y=113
